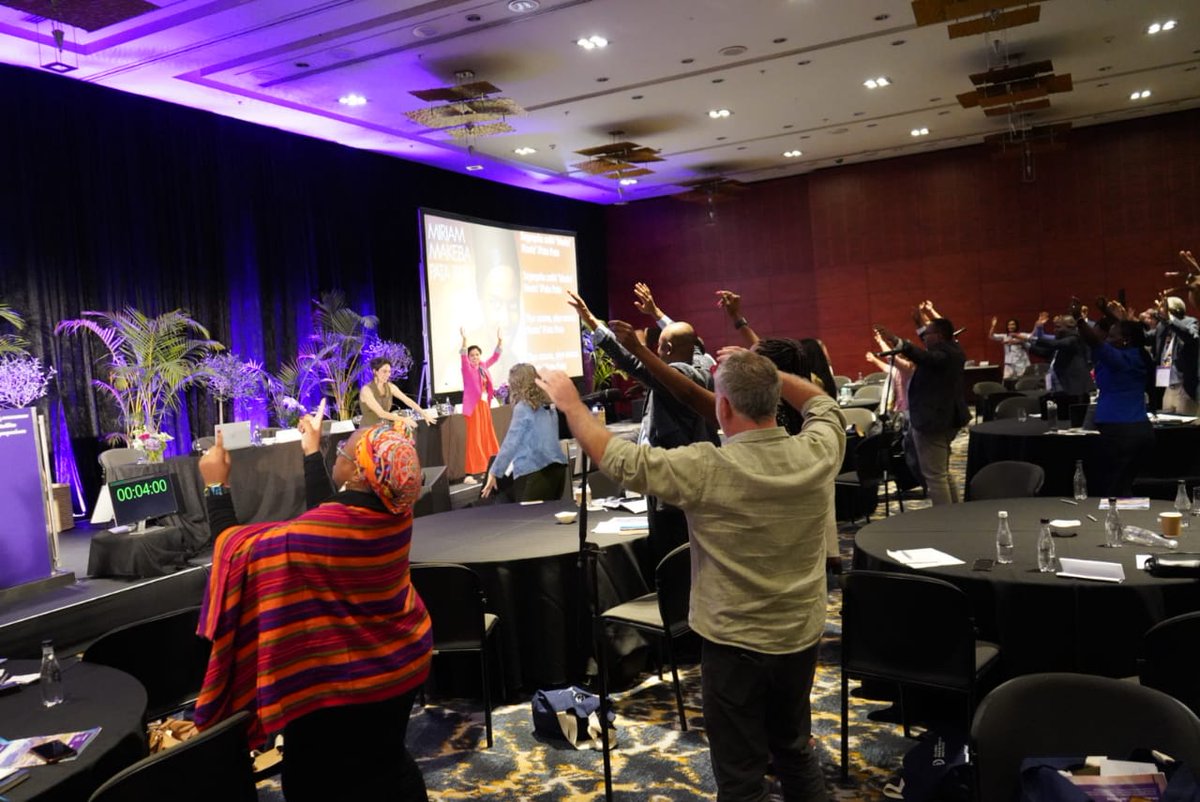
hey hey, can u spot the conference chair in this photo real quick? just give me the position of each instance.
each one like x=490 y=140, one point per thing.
x=454 y=596
x=875 y=377
x=912 y=631
x=663 y=613
x=873 y=392
x=213 y=765
x=862 y=419
x=435 y=492
x=1036 y=381
x=163 y=653
x=981 y=391
x=840 y=381
x=994 y=400
x=1166 y=663
x=1007 y=479
x=1061 y=715
x=856 y=492
x=1011 y=407
x=117 y=456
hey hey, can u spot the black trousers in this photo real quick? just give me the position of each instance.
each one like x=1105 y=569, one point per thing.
x=1127 y=447
x=757 y=714
x=352 y=752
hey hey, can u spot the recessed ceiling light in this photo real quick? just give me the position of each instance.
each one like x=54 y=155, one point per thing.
x=1142 y=95
x=525 y=151
x=352 y=100
x=1161 y=27
x=877 y=83
x=718 y=114
x=792 y=154
x=474 y=168
x=919 y=132
x=523 y=6
x=424 y=31
x=627 y=182
x=593 y=42
x=733 y=50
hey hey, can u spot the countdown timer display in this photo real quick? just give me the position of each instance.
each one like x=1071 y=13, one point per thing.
x=145 y=497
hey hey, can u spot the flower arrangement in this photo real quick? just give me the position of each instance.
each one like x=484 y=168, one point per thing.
x=23 y=380
x=152 y=444
x=602 y=366
x=502 y=393
x=395 y=353
x=229 y=378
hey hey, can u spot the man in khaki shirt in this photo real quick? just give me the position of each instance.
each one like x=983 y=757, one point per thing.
x=756 y=509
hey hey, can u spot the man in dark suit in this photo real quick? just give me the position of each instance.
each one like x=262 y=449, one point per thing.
x=937 y=406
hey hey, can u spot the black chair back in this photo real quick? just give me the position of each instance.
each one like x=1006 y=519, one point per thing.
x=911 y=629
x=994 y=400
x=454 y=596
x=1032 y=381
x=1059 y=715
x=673 y=582
x=1166 y=662
x=215 y=765
x=1011 y=407
x=163 y=653
x=1007 y=479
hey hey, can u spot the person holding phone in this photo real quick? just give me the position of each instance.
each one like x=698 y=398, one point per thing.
x=477 y=405
x=316 y=628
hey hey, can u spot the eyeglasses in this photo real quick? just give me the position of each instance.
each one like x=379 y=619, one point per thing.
x=341 y=452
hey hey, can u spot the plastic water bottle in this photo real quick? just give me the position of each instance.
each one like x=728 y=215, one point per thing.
x=1052 y=414
x=1112 y=526
x=51 y=681
x=1046 y=558
x=1080 y=482
x=1004 y=541
x=1182 y=504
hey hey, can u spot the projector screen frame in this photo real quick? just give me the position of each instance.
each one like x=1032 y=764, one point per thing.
x=430 y=373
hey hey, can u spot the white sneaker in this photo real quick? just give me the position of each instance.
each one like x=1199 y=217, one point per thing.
x=470 y=480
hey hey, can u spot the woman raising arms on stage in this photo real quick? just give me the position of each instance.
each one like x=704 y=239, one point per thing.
x=477 y=405
x=375 y=398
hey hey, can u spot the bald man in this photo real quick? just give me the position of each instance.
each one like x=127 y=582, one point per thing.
x=667 y=423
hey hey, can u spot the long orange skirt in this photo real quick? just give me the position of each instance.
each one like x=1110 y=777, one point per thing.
x=481 y=438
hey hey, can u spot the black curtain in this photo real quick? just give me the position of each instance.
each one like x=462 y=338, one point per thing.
x=112 y=200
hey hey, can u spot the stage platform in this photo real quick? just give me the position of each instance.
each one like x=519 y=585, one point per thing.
x=74 y=615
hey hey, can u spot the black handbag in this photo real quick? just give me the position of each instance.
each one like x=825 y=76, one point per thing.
x=1185 y=564
x=571 y=714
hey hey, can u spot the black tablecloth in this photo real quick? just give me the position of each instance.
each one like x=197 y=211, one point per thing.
x=528 y=565
x=1176 y=452
x=1042 y=622
x=158 y=551
x=96 y=696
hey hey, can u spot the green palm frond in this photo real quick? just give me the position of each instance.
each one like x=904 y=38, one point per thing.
x=12 y=343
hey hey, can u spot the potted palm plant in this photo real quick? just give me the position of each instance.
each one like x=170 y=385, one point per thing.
x=10 y=342
x=149 y=360
x=335 y=353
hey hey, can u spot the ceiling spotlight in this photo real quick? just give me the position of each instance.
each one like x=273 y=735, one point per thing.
x=523 y=6
x=792 y=154
x=877 y=83
x=525 y=151
x=919 y=132
x=474 y=168
x=628 y=182
x=592 y=42
x=1142 y=95
x=1159 y=27
x=718 y=114
x=352 y=100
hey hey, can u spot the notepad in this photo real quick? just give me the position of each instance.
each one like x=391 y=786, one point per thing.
x=923 y=558
x=622 y=525
x=1099 y=570
x=1137 y=503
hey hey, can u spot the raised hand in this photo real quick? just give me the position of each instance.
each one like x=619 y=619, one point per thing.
x=731 y=302
x=626 y=335
x=579 y=306
x=644 y=301
x=890 y=339
x=214 y=465
x=1043 y=319
x=499 y=337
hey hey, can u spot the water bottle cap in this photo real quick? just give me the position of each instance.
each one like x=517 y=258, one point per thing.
x=1003 y=513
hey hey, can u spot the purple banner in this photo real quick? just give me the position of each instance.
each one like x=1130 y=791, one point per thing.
x=24 y=551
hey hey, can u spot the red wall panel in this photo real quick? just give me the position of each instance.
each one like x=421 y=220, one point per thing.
x=829 y=253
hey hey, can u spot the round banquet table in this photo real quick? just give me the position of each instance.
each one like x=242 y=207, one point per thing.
x=96 y=696
x=1041 y=621
x=1176 y=452
x=528 y=565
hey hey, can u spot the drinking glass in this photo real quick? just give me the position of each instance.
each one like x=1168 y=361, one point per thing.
x=1196 y=501
x=1022 y=415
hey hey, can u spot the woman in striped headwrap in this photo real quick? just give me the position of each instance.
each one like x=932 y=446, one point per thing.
x=316 y=628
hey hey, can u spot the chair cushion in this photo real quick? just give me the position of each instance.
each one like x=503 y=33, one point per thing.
x=849 y=477
x=466 y=644
x=642 y=611
x=985 y=653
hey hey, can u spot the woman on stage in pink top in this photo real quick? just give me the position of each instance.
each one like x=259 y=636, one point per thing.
x=477 y=405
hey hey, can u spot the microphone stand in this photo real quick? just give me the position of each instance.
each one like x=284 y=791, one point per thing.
x=589 y=555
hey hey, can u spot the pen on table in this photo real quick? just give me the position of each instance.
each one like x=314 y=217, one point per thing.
x=1093 y=518
x=1069 y=501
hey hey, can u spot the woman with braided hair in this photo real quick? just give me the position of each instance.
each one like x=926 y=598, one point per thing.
x=316 y=628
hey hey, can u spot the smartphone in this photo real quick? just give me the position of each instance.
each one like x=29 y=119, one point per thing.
x=53 y=751
x=983 y=564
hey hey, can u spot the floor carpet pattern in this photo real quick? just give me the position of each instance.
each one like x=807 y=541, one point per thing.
x=653 y=760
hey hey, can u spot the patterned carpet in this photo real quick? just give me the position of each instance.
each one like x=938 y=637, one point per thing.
x=654 y=761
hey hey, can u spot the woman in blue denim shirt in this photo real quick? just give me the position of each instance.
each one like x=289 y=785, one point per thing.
x=531 y=446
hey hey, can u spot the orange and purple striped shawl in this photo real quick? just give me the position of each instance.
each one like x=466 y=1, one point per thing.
x=311 y=613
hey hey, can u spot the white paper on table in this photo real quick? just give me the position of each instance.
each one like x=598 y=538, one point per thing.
x=637 y=506
x=1166 y=417
x=1091 y=569
x=1117 y=768
x=1136 y=503
x=622 y=525
x=1065 y=523
x=1140 y=560
x=923 y=558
